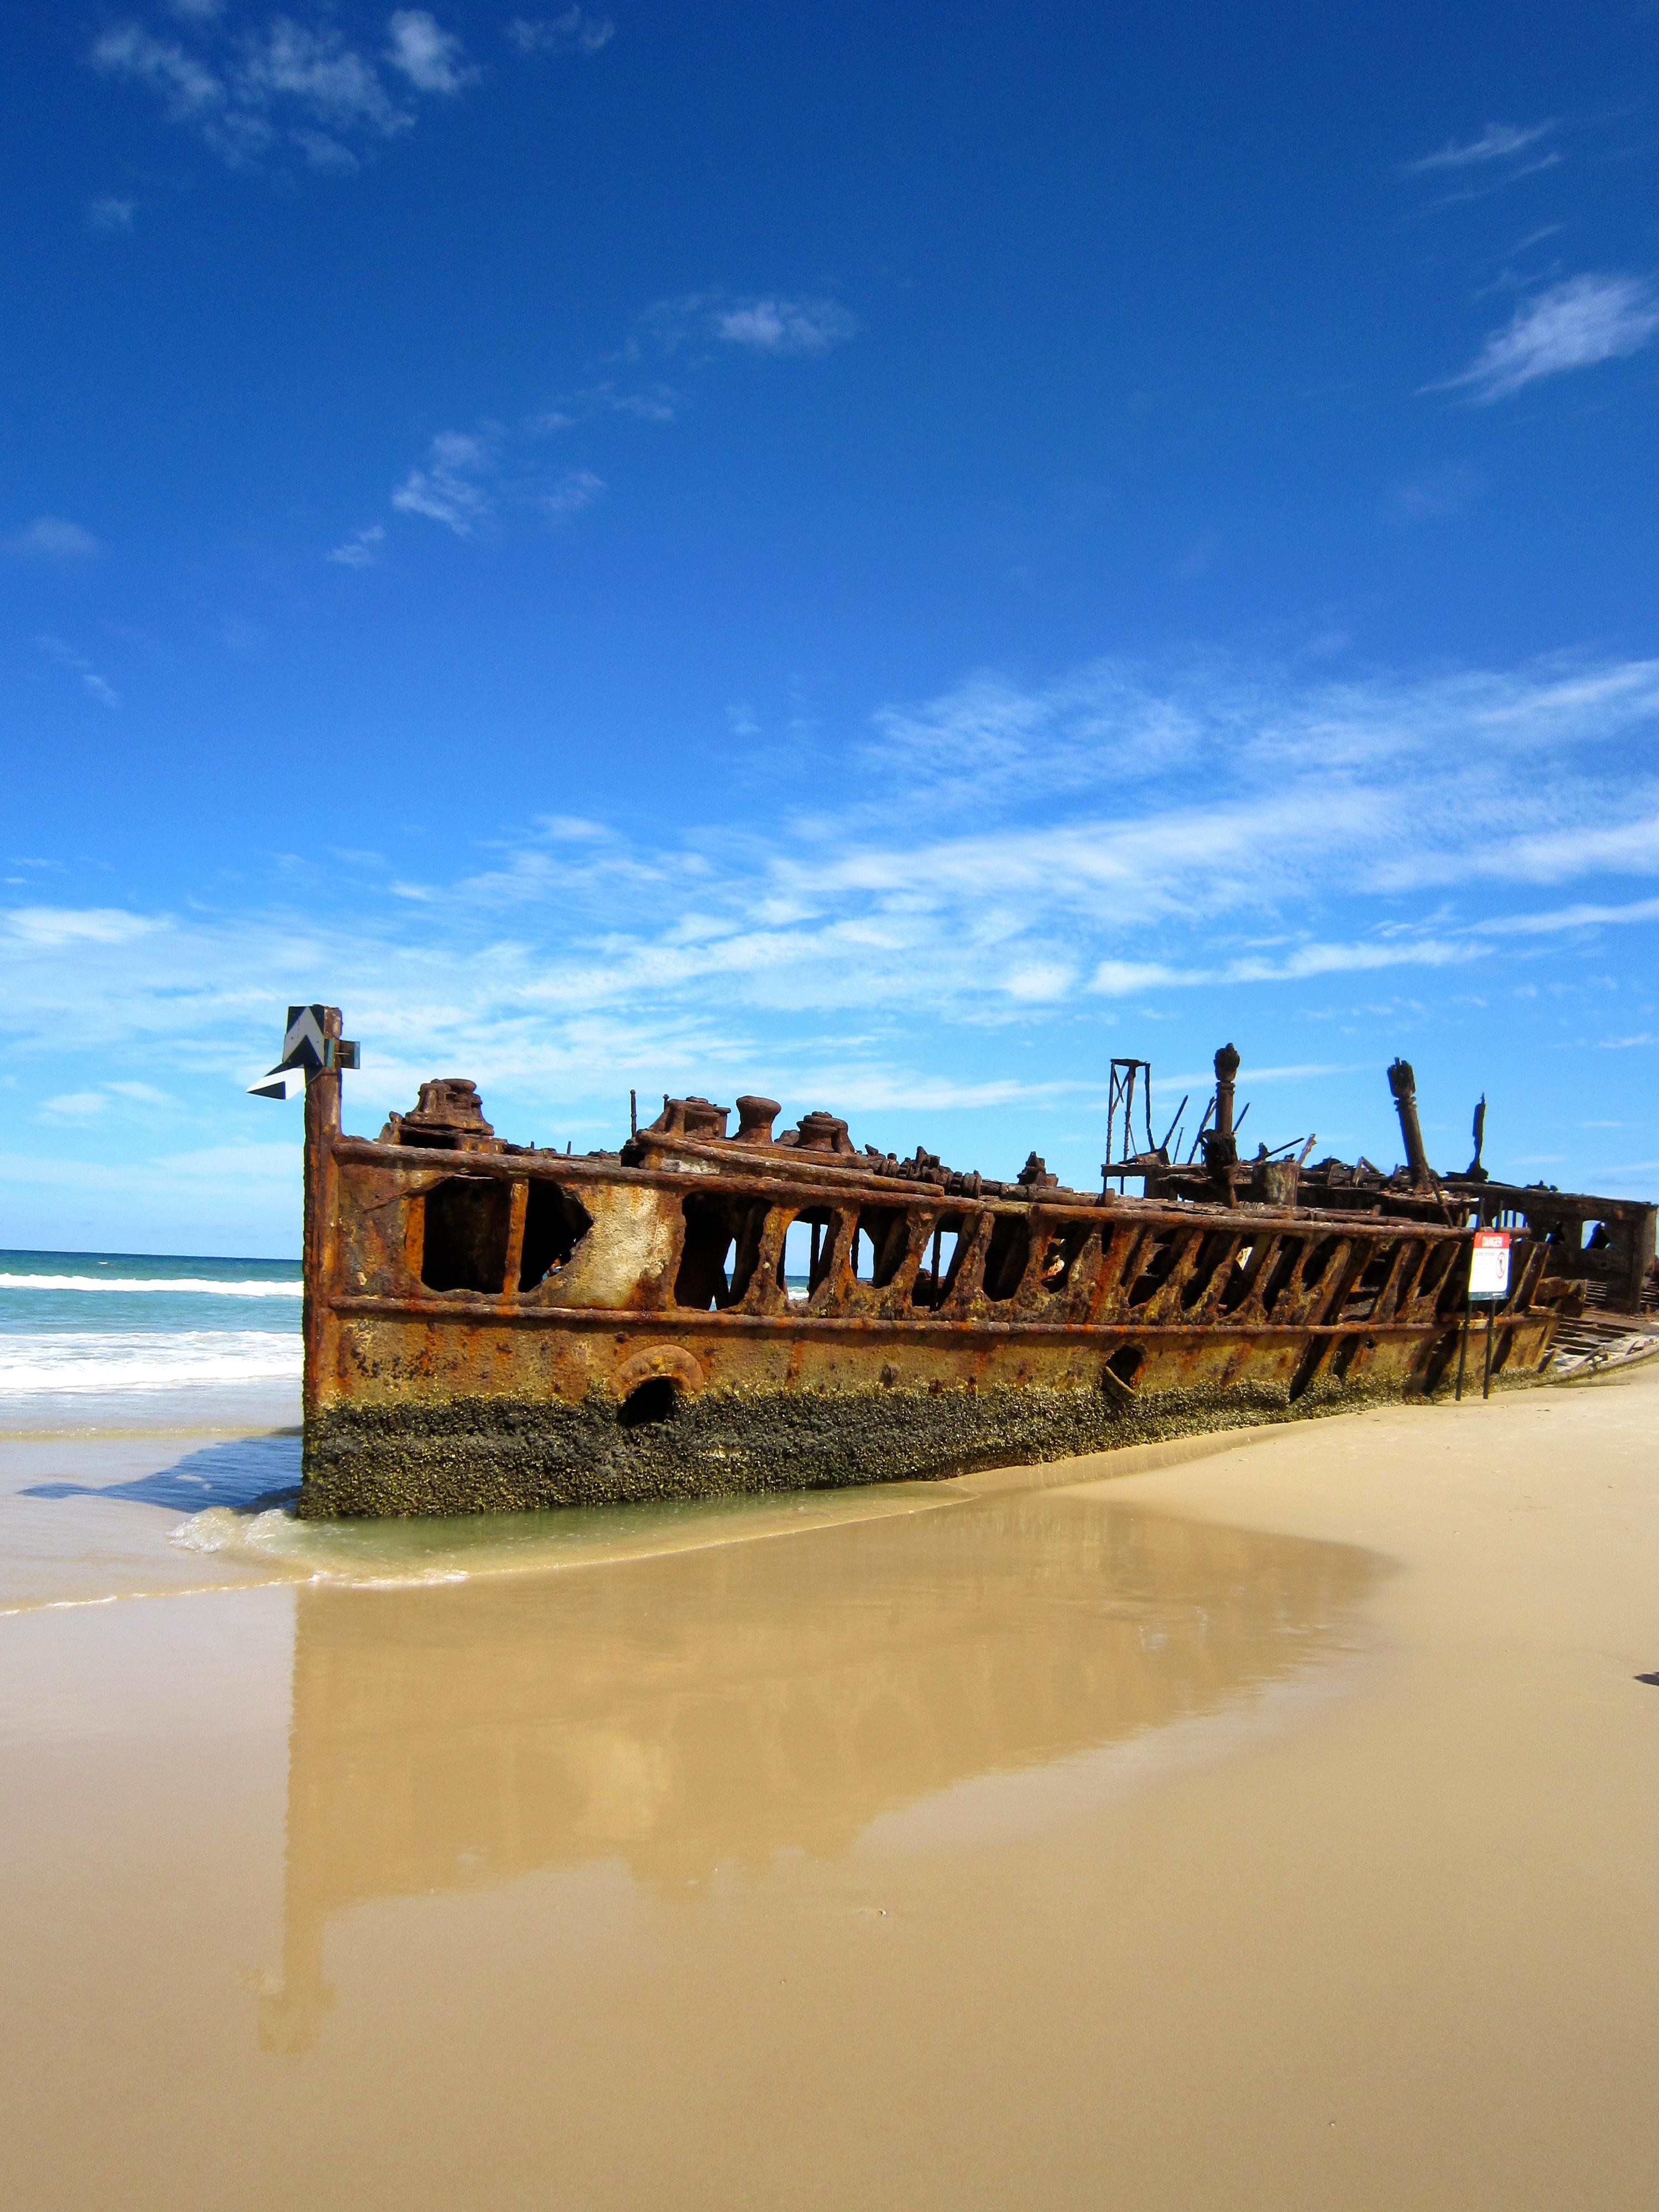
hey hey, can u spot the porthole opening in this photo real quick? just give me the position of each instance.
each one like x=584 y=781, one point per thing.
x=650 y=1403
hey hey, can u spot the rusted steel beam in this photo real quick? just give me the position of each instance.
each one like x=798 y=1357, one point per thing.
x=945 y=1329
x=1403 y=1083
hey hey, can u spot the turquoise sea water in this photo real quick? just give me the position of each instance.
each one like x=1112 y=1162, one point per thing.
x=78 y=1325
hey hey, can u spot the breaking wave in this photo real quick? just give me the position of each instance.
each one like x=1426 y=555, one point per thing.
x=310 y=1552
x=93 y=1361
x=201 y=1284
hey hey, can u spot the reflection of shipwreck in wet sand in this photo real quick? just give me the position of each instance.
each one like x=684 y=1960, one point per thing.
x=491 y=1326
x=722 y=1705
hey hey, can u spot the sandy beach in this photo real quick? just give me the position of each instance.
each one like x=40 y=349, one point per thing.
x=1271 y=1827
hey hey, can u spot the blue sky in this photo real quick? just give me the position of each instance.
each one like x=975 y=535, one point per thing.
x=876 y=555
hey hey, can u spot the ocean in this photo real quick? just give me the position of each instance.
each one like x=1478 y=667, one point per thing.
x=127 y=1332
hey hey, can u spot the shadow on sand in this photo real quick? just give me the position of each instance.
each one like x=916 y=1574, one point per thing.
x=248 y=1474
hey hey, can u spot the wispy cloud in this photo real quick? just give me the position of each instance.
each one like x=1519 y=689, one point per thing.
x=467 y=478
x=451 y=488
x=1574 y=325
x=574 y=32
x=92 y=682
x=55 y=926
x=1434 y=498
x=1282 y=851
x=252 y=90
x=110 y=217
x=1498 y=142
x=50 y=538
x=361 y=548
x=647 y=403
x=74 y=1105
x=775 y=324
x=785 y=326
x=1128 y=979
x=1586 y=914
x=431 y=58
x=576 y=489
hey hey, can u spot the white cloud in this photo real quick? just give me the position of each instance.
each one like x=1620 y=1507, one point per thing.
x=654 y=403
x=252 y=90
x=448 y=489
x=186 y=87
x=323 y=76
x=92 y=683
x=574 y=32
x=361 y=550
x=432 y=58
x=50 y=538
x=55 y=926
x=1289 y=846
x=785 y=326
x=1585 y=914
x=574 y=491
x=75 y=1105
x=1498 y=142
x=1432 y=499
x=468 y=479
x=775 y=324
x=1035 y=982
x=1575 y=325
x=1128 y=979
x=110 y=216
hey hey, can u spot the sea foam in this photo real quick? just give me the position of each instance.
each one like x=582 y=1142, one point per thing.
x=203 y=1285
x=93 y=1360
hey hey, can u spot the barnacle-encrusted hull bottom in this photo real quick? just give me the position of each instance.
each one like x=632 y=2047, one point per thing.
x=509 y=1454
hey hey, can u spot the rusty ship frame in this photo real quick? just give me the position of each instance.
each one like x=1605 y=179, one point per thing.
x=495 y=1327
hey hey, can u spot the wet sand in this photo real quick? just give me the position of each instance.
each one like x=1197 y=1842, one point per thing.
x=1273 y=1828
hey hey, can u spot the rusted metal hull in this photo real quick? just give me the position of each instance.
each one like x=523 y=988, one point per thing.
x=489 y=1328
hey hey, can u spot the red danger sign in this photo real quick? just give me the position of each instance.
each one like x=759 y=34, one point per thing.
x=1489 y=1264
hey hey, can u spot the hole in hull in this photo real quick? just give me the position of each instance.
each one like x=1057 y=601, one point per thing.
x=651 y=1402
x=710 y=1234
x=464 y=1246
x=1005 y=1261
x=1126 y=1364
x=881 y=1245
x=936 y=1270
x=554 y=1224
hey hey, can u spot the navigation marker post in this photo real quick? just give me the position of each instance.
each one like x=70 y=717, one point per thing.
x=310 y=1044
x=314 y=1055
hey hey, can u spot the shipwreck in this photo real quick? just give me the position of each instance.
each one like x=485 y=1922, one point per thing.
x=491 y=1326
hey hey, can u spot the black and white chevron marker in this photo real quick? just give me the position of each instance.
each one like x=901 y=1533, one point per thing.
x=279 y=1083
x=305 y=1049
x=304 y=1044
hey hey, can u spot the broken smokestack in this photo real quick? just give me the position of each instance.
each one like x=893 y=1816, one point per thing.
x=1220 y=1149
x=1403 y=1083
